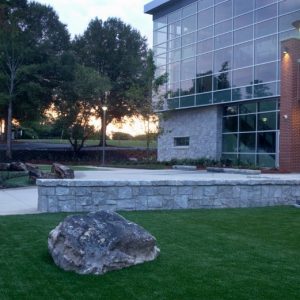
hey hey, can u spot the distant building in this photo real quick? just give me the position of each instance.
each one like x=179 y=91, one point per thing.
x=233 y=88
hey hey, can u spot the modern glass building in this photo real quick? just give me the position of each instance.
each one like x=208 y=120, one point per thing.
x=223 y=60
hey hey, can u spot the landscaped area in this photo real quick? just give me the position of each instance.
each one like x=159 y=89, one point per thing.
x=205 y=254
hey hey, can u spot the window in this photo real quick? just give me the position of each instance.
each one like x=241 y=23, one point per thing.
x=181 y=141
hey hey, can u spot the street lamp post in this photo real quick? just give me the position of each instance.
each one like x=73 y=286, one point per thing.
x=104 y=109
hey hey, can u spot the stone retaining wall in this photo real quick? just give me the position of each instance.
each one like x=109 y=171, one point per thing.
x=92 y=195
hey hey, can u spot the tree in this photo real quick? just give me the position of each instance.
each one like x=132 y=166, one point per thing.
x=117 y=51
x=76 y=100
x=31 y=40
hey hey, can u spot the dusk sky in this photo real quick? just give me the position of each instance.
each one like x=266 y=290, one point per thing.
x=76 y=14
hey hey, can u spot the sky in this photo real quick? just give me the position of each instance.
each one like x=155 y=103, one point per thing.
x=76 y=14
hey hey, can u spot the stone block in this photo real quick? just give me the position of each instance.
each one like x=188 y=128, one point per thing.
x=67 y=206
x=126 y=204
x=53 y=204
x=146 y=191
x=181 y=201
x=61 y=191
x=125 y=193
x=43 y=204
x=46 y=191
x=141 y=203
x=210 y=190
x=185 y=190
x=168 y=202
x=155 y=202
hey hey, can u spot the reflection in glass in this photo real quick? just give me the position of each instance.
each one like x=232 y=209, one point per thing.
x=223 y=40
x=230 y=124
x=288 y=6
x=223 y=59
x=247 y=142
x=189 y=39
x=174 y=89
x=189 y=10
x=242 y=77
x=266 y=160
x=204 y=84
x=248 y=122
x=266 y=142
x=188 y=69
x=247 y=108
x=223 y=27
x=247 y=159
x=204 y=99
x=241 y=7
x=174 y=72
x=242 y=93
x=173 y=103
x=161 y=22
x=174 y=30
x=189 y=24
x=174 y=16
x=264 y=90
x=187 y=87
x=230 y=110
x=267 y=105
x=160 y=36
x=222 y=96
x=222 y=81
x=159 y=49
x=205 y=33
x=261 y=3
x=204 y=4
x=204 y=64
x=243 y=20
x=266 y=121
x=243 y=55
x=223 y=11
x=187 y=101
x=174 y=55
x=205 y=46
x=265 y=72
x=266 y=49
x=205 y=18
x=265 y=28
x=188 y=51
x=285 y=22
x=173 y=44
x=265 y=13
x=243 y=35
x=229 y=143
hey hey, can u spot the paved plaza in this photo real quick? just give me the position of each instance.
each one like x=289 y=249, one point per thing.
x=24 y=200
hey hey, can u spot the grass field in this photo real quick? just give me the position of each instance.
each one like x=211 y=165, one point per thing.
x=205 y=254
x=115 y=143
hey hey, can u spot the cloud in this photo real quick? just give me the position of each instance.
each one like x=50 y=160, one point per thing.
x=76 y=14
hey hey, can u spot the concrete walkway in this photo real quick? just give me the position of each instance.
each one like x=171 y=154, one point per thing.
x=24 y=200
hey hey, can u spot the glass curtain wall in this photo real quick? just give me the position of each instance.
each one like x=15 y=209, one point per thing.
x=218 y=51
x=250 y=132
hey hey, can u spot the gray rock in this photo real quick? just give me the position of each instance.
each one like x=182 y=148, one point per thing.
x=62 y=171
x=18 y=166
x=100 y=242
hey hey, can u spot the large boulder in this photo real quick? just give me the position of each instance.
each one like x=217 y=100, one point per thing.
x=18 y=167
x=62 y=171
x=100 y=242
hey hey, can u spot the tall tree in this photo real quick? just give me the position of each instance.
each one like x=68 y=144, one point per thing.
x=117 y=51
x=31 y=40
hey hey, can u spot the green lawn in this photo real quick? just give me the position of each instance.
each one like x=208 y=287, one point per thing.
x=115 y=143
x=205 y=254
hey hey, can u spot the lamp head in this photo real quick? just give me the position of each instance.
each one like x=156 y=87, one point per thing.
x=104 y=108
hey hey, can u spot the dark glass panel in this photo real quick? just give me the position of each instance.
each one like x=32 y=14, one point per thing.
x=229 y=143
x=222 y=81
x=243 y=20
x=222 y=96
x=189 y=10
x=160 y=36
x=288 y=6
x=175 y=16
x=266 y=142
x=187 y=101
x=242 y=93
x=223 y=27
x=231 y=158
x=174 y=72
x=264 y=160
x=248 y=108
x=223 y=11
x=265 y=28
x=230 y=124
x=205 y=33
x=248 y=122
x=223 y=59
x=265 y=90
x=205 y=46
x=267 y=105
x=204 y=84
x=204 y=64
x=266 y=49
x=187 y=87
x=181 y=141
x=161 y=22
x=265 y=13
x=189 y=24
x=247 y=142
x=266 y=121
x=243 y=35
x=204 y=99
x=173 y=44
x=243 y=55
x=261 y=3
x=205 y=18
x=173 y=103
x=243 y=6
x=202 y=4
x=230 y=110
x=188 y=69
x=188 y=51
x=247 y=159
x=265 y=72
x=223 y=40
x=286 y=22
x=242 y=77
x=174 y=30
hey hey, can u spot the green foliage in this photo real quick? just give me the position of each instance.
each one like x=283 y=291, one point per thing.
x=121 y=136
x=232 y=254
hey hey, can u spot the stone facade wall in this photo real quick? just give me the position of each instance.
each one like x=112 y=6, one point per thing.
x=84 y=196
x=202 y=125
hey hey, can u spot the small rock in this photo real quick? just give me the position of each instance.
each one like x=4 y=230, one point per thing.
x=62 y=171
x=100 y=242
x=18 y=166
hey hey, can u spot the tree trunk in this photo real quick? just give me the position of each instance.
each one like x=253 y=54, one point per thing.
x=9 y=131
